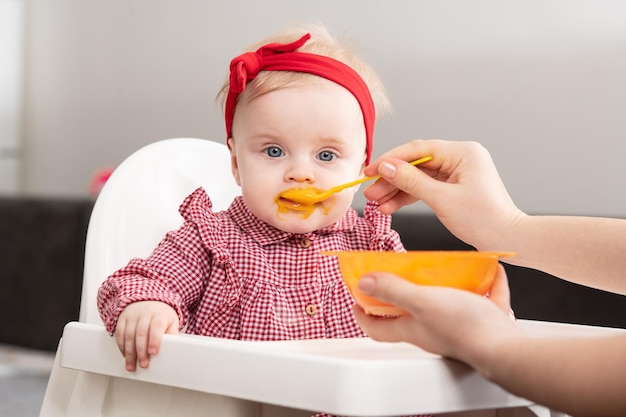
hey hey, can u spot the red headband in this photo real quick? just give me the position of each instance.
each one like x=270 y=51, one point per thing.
x=283 y=57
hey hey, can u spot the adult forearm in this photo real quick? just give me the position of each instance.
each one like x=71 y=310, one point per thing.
x=583 y=377
x=586 y=250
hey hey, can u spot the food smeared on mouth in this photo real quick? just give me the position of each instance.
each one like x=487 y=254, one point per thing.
x=300 y=200
x=307 y=196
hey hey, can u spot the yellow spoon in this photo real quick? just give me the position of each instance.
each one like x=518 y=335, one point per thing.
x=309 y=196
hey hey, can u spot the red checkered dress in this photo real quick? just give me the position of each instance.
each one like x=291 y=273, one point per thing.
x=230 y=275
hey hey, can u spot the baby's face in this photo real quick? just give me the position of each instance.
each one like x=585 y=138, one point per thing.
x=297 y=137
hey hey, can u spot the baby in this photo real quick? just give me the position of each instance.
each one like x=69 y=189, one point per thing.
x=299 y=111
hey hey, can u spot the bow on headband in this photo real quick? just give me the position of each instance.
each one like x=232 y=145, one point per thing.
x=284 y=57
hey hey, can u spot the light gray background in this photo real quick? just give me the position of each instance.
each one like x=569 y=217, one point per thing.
x=542 y=84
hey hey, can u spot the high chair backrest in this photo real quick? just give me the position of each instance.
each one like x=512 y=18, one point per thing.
x=139 y=204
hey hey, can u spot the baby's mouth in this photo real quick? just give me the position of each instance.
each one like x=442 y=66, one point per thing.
x=294 y=205
x=306 y=196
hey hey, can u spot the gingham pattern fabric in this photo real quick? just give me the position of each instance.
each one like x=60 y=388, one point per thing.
x=230 y=275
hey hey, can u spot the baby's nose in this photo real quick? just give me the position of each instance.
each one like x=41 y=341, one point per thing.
x=300 y=172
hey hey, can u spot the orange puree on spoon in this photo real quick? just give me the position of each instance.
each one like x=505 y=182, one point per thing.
x=286 y=204
x=306 y=199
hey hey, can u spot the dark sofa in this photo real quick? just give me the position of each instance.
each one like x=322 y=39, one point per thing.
x=41 y=262
x=41 y=266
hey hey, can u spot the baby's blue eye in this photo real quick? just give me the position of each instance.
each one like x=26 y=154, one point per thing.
x=326 y=156
x=274 y=152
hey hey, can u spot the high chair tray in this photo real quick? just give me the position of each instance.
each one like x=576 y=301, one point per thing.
x=339 y=376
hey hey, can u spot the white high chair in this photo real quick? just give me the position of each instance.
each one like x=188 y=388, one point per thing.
x=199 y=376
x=139 y=204
x=134 y=210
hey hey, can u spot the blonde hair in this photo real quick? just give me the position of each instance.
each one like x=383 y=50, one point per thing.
x=322 y=42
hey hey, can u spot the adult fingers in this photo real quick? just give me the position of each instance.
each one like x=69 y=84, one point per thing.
x=391 y=289
x=402 y=184
x=384 y=329
x=500 y=293
x=389 y=197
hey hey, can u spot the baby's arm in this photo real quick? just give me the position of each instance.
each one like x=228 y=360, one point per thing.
x=149 y=297
x=140 y=328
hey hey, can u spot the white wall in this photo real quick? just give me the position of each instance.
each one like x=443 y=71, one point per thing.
x=540 y=83
x=11 y=29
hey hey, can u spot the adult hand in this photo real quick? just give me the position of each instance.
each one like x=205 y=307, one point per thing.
x=140 y=329
x=461 y=185
x=454 y=323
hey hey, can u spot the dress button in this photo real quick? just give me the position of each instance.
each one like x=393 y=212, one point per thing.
x=311 y=310
x=305 y=242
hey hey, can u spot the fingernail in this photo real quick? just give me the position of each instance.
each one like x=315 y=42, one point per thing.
x=387 y=170
x=367 y=285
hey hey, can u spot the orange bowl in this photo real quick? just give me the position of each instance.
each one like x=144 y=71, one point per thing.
x=468 y=270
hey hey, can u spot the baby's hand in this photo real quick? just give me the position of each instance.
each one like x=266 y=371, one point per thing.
x=140 y=328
